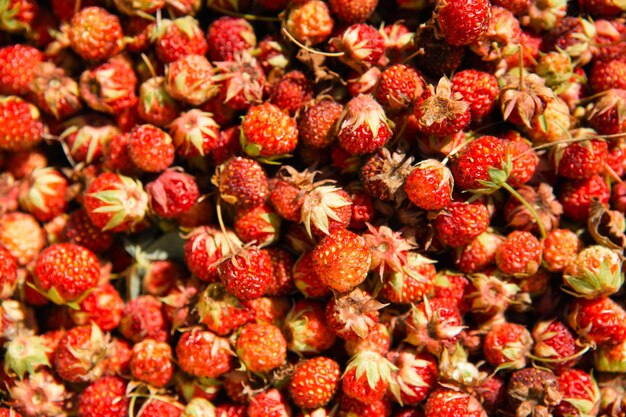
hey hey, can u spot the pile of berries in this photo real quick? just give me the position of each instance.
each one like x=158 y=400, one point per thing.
x=308 y=208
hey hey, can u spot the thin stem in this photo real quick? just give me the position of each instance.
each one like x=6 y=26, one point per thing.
x=306 y=48
x=530 y=208
x=455 y=150
x=220 y=220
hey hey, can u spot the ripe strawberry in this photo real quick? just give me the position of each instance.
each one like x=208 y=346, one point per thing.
x=86 y=142
x=20 y=125
x=439 y=57
x=109 y=87
x=41 y=394
x=261 y=347
x=450 y=285
x=115 y=202
x=228 y=36
x=105 y=397
x=411 y=282
x=342 y=260
x=377 y=340
x=43 y=194
x=22 y=163
x=353 y=315
x=268 y=131
x=272 y=310
x=576 y=196
x=350 y=11
x=384 y=173
x=460 y=222
x=102 y=306
x=64 y=272
x=95 y=34
x=161 y=407
x=363 y=128
x=559 y=248
x=246 y=273
x=152 y=362
x=389 y=249
x=366 y=377
x=596 y=271
x=13 y=227
x=177 y=38
x=270 y=403
x=445 y=402
x=317 y=123
x=546 y=206
x=155 y=105
x=507 y=346
x=440 y=111
x=310 y=22
x=415 y=378
x=203 y=354
x=362 y=207
x=282 y=272
x=292 y=92
x=361 y=44
x=519 y=254
x=581 y=395
x=606 y=114
x=190 y=79
x=172 y=193
x=143 y=318
x=18 y=63
x=555 y=343
x=429 y=186
x=434 y=324
x=399 y=86
x=474 y=165
x=80 y=353
x=605 y=75
x=8 y=273
x=117 y=360
x=480 y=89
x=150 y=148
x=194 y=133
x=599 y=320
x=580 y=160
x=479 y=254
x=314 y=382
x=242 y=81
x=306 y=329
x=220 y=311
x=306 y=280
x=462 y=22
x=325 y=208
x=523 y=157
x=241 y=182
x=204 y=247
x=259 y=224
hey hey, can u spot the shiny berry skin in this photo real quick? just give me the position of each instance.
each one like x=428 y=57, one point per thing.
x=95 y=34
x=471 y=165
x=18 y=63
x=105 y=397
x=314 y=382
x=261 y=347
x=246 y=274
x=317 y=123
x=203 y=354
x=462 y=22
x=576 y=195
x=480 y=89
x=269 y=131
x=242 y=182
x=152 y=362
x=460 y=222
x=20 y=124
x=150 y=148
x=519 y=254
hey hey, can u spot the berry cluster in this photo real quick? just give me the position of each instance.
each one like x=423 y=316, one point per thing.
x=307 y=208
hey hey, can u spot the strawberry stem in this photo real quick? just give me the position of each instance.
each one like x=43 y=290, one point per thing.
x=220 y=220
x=306 y=48
x=531 y=209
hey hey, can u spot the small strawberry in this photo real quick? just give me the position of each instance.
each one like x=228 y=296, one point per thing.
x=314 y=382
x=310 y=22
x=152 y=362
x=246 y=273
x=415 y=378
x=596 y=271
x=434 y=324
x=13 y=227
x=317 y=123
x=350 y=407
x=194 y=133
x=599 y=320
x=268 y=132
x=507 y=346
x=155 y=105
x=441 y=111
x=555 y=343
x=18 y=63
x=8 y=273
x=580 y=160
x=460 y=222
x=115 y=202
x=361 y=44
x=524 y=159
x=161 y=406
x=143 y=318
x=26 y=354
x=363 y=127
x=43 y=194
x=476 y=164
x=479 y=254
x=389 y=249
x=546 y=206
x=270 y=403
x=177 y=38
x=20 y=124
x=399 y=86
x=439 y=58
x=229 y=35
x=220 y=311
x=292 y=92
x=105 y=397
x=384 y=173
x=429 y=186
x=325 y=208
x=41 y=394
x=350 y=11
x=576 y=196
x=411 y=282
x=306 y=280
x=342 y=260
x=366 y=377
x=102 y=306
x=522 y=96
x=241 y=81
x=605 y=75
x=519 y=254
x=87 y=142
x=353 y=315
x=445 y=402
x=241 y=182
x=488 y=296
x=80 y=354
x=64 y=272
x=450 y=285
x=261 y=347
x=190 y=79
x=150 y=148
x=480 y=89
x=117 y=360
x=109 y=87
x=203 y=354
x=282 y=272
x=581 y=395
x=306 y=329
x=560 y=248
x=259 y=224
x=172 y=193
x=95 y=34
x=204 y=247
x=461 y=22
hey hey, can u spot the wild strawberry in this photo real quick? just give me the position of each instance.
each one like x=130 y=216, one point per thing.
x=143 y=318
x=475 y=18
x=474 y=165
x=606 y=114
x=307 y=280
x=523 y=157
x=110 y=87
x=366 y=377
x=349 y=11
x=229 y=35
x=242 y=182
x=22 y=163
x=201 y=212
x=268 y=131
x=115 y=202
x=261 y=347
x=342 y=260
x=411 y=282
x=272 y=310
x=246 y=273
x=384 y=173
x=479 y=253
x=150 y=148
x=363 y=210
x=440 y=111
x=269 y=403
x=172 y=193
x=377 y=340
x=353 y=315
x=479 y=89
x=95 y=34
x=306 y=329
x=599 y=320
x=314 y=382
x=363 y=128
x=560 y=248
x=429 y=186
x=20 y=126
x=116 y=158
x=325 y=208
x=450 y=285
x=152 y=362
x=80 y=353
x=258 y=224
x=389 y=249
x=41 y=394
x=292 y=92
x=86 y=142
x=317 y=123
x=576 y=196
x=13 y=227
x=26 y=354
x=361 y=44
x=282 y=275
x=547 y=209
x=242 y=81
x=445 y=402
x=8 y=273
x=581 y=394
x=65 y=272
x=204 y=247
x=190 y=79
x=523 y=96
x=177 y=38
x=555 y=343
x=460 y=222
x=310 y=22
x=579 y=160
x=18 y=63
x=194 y=133
x=434 y=324
x=106 y=397
x=221 y=311
x=399 y=86
x=363 y=82
x=439 y=57
x=596 y=271
x=102 y=306
x=117 y=359
x=605 y=75
x=488 y=296
x=501 y=39
x=161 y=407
x=230 y=410
x=610 y=358
x=43 y=194
x=155 y=105
x=203 y=354
x=350 y=407
x=415 y=376
x=519 y=254
x=507 y=346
